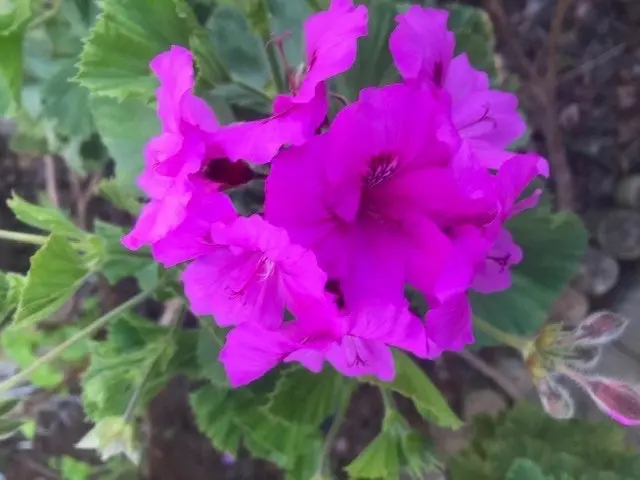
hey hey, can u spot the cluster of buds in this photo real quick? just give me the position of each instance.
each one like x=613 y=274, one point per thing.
x=556 y=353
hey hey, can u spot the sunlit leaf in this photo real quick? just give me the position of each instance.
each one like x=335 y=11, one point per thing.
x=45 y=218
x=57 y=271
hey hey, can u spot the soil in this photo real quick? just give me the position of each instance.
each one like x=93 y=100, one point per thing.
x=598 y=116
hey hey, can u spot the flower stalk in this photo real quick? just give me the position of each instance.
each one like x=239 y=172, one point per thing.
x=22 y=237
x=60 y=349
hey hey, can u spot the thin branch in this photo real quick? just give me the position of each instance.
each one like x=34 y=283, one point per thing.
x=50 y=180
x=562 y=7
x=589 y=65
x=492 y=373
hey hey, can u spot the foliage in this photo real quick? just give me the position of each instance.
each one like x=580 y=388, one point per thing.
x=525 y=435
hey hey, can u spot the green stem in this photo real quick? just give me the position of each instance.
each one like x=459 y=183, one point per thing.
x=387 y=399
x=133 y=401
x=59 y=350
x=23 y=237
x=333 y=431
x=503 y=337
x=47 y=15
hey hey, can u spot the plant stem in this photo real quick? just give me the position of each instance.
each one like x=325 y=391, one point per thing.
x=333 y=431
x=47 y=15
x=23 y=237
x=174 y=324
x=59 y=350
x=508 y=339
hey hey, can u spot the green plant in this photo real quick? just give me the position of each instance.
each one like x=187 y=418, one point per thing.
x=524 y=438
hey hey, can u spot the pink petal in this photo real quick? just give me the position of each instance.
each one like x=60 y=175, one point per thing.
x=617 y=399
x=493 y=274
x=291 y=124
x=555 y=399
x=462 y=80
x=449 y=326
x=331 y=44
x=230 y=286
x=390 y=324
x=250 y=351
x=422 y=46
x=157 y=219
x=599 y=328
x=192 y=238
x=356 y=357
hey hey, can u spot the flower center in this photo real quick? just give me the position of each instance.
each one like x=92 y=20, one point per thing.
x=503 y=261
x=227 y=173
x=381 y=167
x=263 y=270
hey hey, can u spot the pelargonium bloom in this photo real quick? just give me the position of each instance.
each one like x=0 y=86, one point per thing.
x=423 y=51
x=251 y=273
x=375 y=196
x=372 y=196
x=355 y=343
x=180 y=150
x=331 y=45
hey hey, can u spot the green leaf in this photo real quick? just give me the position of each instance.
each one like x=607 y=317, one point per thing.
x=9 y=427
x=11 y=286
x=474 y=35
x=45 y=218
x=380 y=460
x=553 y=247
x=122 y=196
x=67 y=103
x=115 y=60
x=7 y=405
x=57 y=271
x=13 y=23
x=119 y=262
x=72 y=469
x=305 y=398
x=374 y=65
x=287 y=19
x=135 y=348
x=210 y=342
x=125 y=127
x=231 y=416
x=411 y=382
x=524 y=469
x=241 y=50
x=22 y=346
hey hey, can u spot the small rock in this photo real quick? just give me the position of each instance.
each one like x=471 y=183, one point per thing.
x=515 y=370
x=619 y=234
x=570 y=115
x=570 y=308
x=449 y=442
x=483 y=401
x=598 y=273
x=626 y=96
x=628 y=192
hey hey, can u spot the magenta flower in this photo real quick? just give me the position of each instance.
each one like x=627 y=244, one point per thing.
x=179 y=151
x=331 y=45
x=373 y=196
x=423 y=48
x=251 y=273
x=493 y=274
x=355 y=344
x=192 y=237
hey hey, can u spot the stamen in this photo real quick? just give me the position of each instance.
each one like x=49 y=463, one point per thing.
x=381 y=167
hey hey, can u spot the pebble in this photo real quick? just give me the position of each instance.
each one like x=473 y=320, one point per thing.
x=619 y=234
x=570 y=308
x=485 y=401
x=598 y=273
x=628 y=192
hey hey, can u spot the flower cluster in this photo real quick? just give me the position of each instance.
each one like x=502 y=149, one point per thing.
x=410 y=185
